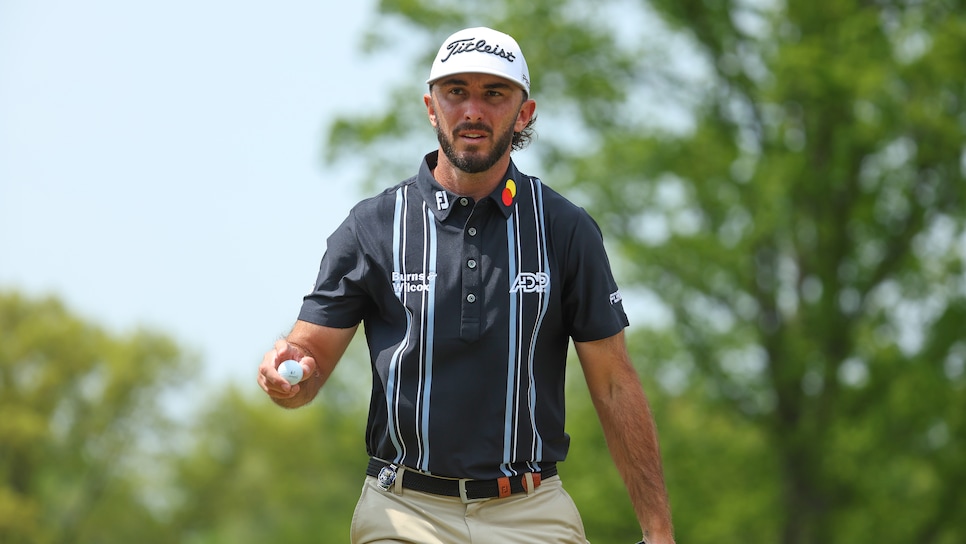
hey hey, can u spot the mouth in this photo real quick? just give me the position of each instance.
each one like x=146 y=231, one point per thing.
x=473 y=134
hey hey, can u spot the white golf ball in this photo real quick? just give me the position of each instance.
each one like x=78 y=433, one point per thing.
x=291 y=371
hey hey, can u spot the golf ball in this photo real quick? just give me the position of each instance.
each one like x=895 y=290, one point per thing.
x=291 y=371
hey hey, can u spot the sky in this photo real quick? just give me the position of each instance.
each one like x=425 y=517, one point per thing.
x=160 y=162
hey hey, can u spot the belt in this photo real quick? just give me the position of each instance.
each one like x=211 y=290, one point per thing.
x=466 y=489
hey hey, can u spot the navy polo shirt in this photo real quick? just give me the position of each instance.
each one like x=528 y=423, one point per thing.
x=468 y=309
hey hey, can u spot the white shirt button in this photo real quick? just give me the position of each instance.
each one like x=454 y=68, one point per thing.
x=471 y=298
x=464 y=201
x=471 y=231
x=471 y=263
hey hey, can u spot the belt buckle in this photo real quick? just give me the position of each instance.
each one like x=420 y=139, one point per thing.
x=387 y=476
x=463 y=497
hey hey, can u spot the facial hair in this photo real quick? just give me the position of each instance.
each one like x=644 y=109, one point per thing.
x=471 y=162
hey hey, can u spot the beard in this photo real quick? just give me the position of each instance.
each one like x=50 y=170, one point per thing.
x=474 y=162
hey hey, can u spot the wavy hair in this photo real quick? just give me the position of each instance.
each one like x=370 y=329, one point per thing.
x=523 y=138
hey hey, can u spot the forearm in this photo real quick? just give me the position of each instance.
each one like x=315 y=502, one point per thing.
x=631 y=436
x=625 y=417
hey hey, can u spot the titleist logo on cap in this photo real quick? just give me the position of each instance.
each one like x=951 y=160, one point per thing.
x=481 y=50
x=468 y=45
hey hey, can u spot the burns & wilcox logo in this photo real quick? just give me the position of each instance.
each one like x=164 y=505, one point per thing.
x=412 y=283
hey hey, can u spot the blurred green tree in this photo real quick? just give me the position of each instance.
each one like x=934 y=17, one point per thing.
x=783 y=187
x=81 y=419
x=259 y=473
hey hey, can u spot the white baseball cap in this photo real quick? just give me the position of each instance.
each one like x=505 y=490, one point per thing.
x=481 y=50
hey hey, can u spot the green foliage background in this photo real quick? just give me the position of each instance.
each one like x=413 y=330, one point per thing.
x=781 y=186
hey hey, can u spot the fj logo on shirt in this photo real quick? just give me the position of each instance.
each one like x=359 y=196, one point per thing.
x=442 y=200
x=531 y=282
x=616 y=297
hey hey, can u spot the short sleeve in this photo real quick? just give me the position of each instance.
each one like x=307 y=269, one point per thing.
x=592 y=303
x=340 y=297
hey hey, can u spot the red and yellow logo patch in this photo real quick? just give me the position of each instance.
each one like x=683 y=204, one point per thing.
x=509 y=192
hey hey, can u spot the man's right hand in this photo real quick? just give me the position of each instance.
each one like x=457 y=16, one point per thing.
x=317 y=348
x=274 y=384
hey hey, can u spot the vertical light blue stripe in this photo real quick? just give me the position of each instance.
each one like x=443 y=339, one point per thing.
x=430 y=333
x=537 y=190
x=512 y=272
x=397 y=227
x=392 y=392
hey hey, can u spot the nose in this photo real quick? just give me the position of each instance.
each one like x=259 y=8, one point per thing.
x=473 y=111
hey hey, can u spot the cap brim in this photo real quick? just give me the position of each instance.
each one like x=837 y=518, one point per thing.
x=478 y=70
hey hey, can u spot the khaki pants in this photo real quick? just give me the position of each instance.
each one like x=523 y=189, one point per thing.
x=547 y=516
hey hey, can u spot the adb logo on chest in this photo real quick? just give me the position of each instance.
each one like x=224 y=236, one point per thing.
x=531 y=282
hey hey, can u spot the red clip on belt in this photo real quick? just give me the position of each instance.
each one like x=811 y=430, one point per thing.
x=505 y=489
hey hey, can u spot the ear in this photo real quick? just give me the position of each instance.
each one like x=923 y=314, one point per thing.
x=527 y=110
x=430 y=109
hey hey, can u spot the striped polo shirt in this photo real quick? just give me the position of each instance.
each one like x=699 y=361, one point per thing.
x=468 y=308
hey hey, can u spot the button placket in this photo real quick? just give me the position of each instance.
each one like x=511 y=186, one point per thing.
x=472 y=277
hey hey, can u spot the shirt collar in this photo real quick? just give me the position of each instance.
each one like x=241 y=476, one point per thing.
x=442 y=202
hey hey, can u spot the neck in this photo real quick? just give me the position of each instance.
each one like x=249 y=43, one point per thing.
x=476 y=186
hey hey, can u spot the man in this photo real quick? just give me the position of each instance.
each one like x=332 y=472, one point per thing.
x=471 y=279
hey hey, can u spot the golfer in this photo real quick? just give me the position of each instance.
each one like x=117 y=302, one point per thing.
x=471 y=279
